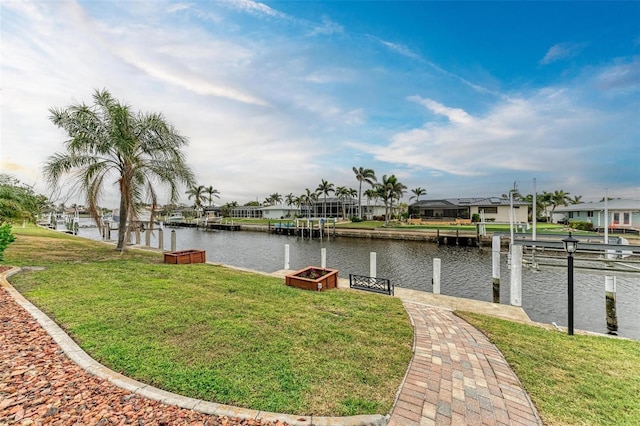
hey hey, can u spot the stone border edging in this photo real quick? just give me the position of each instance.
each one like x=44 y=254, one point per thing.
x=82 y=359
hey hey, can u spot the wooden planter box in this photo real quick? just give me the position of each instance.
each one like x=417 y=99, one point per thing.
x=307 y=280
x=185 y=256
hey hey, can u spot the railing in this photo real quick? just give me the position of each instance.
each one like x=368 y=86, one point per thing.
x=377 y=285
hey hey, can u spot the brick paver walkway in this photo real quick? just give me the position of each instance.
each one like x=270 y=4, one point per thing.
x=457 y=377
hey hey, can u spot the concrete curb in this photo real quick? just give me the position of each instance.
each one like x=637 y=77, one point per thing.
x=82 y=359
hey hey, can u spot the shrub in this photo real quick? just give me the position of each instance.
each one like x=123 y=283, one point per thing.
x=475 y=218
x=355 y=219
x=582 y=226
x=6 y=237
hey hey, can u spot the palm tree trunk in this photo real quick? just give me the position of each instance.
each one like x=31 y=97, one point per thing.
x=122 y=223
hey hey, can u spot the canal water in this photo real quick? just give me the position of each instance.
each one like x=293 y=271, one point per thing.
x=465 y=272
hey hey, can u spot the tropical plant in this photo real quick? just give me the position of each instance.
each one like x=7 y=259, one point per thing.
x=388 y=191
x=212 y=193
x=342 y=192
x=325 y=188
x=290 y=199
x=417 y=193
x=577 y=199
x=109 y=142
x=273 y=199
x=559 y=198
x=371 y=194
x=308 y=199
x=197 y=193
x=363 y=175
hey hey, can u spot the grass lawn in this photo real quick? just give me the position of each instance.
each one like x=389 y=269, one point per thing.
x=216 y=333
x=573 y=380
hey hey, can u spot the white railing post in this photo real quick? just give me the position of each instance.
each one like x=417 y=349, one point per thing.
x=323 y=257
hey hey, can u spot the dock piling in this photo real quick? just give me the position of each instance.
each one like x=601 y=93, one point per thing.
x=286 y=256
x=372 y=264
x=495 y=267
x=437 y=267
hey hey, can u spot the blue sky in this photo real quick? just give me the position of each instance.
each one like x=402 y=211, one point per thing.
x=460 y=98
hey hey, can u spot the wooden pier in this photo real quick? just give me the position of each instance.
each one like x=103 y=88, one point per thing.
x=211 y=226
x=318 y=231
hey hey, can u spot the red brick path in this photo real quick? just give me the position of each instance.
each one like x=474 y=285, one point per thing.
x=457 y=377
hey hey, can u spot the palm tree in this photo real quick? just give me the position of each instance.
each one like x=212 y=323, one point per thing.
x=324 y=189
x=417 y=193
x=363 y=175
x=212 y=193
x=308 y=198
x=108 y=141
x=197 y=193
x=351 y=193
x=290 y=199
x=559 y=198
x=342 y=192
x=389 y=190
x=371 y=194
x=577 y=199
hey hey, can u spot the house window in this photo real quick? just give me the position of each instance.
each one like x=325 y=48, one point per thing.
x=590 y=214
x=570 y=215
x=490 y=210
x=616 y=218
x=626 y=218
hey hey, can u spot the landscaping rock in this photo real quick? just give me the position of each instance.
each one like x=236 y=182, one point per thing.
x=39 y=385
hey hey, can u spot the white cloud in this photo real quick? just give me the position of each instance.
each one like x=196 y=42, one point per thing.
x=537 y=134
x=561 y=51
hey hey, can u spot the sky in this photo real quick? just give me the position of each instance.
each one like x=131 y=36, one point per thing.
x=463 y=99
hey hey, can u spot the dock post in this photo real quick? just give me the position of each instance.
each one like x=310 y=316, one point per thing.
x=372 y=264
x=516 y=275
x=495 y=267
x=610 y=303
x=147 y=237
x=437 y=266
x=457 y=235
x=323 y=257
x=286 y=256
x=160 y=239
x=173 y=240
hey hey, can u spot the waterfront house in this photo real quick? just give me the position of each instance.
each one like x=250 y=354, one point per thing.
x=624 y=214
x=494 y=209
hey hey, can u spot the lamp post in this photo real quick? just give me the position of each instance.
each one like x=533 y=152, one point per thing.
x=570 y=246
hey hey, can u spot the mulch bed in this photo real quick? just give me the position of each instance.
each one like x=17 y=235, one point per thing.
x=39 y=385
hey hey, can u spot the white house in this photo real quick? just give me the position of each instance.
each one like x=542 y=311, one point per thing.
x=623 y=214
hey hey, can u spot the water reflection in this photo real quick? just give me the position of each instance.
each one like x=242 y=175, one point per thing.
x=466 y=272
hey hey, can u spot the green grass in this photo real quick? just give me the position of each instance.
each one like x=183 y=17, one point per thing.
x=573 y=380
x=219 y=334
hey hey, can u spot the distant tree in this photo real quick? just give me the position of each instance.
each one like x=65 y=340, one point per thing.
x=389 y=190
x=417 y=193
x=363 y=175
x=325 y=188
x=109 y=141
x=577 y=199
x=18 y=201
x=342 y=193
x=212 y=193
x=371 y=194
x=197 y=193
x=290 y=199
x=559 y=198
